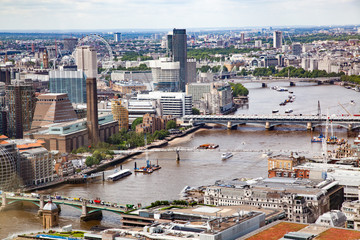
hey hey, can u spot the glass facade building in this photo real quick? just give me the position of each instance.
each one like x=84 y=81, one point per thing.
x=71 y=82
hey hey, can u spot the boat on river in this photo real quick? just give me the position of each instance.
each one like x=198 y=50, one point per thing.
x=318 y=139
x=226 y=155
x=288 y=111
x=208 y=146
x=119 y=174
x=275 y=111
x=149 y=168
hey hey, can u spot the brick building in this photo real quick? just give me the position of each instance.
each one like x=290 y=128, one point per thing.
x=152 y=123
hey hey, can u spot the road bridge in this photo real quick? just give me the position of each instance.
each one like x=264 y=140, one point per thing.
x=270 y=121
x=88 y=210
x=292 y=81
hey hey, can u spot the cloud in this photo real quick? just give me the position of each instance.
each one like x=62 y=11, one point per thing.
x=117 y=14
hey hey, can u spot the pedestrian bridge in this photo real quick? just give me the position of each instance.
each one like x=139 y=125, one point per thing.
x=88 y=210
x=272 y=120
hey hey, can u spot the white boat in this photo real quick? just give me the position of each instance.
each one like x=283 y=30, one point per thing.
x=119 y=174
x=275 y=111
x=288 y=111
x=226 y=155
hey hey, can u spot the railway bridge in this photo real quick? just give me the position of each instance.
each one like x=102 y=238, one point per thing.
x=272 y=120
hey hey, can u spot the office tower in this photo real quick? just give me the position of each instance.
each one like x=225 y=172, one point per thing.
x=20 y=98
x=277 y=38
x=166 y=75
x=71 y=82
x=242 y=38
x=176 y=104
x=45 y=60
x=258 y=43
x=3 y=121
x=33 y=48
x=5 y=76
x=120 y=113
x=70 y=44
x=177 y=47
x=296 y=49
x=86 y=61
x=117 y=37
x=53 y=108
x=191 y=71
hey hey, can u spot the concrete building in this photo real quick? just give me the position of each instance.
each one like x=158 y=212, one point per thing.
x=120 y=113
x=352 y=213
x=242 y=38
x=117 y=37
x=175 y=104
x=137 y=108
x=20 y=97
x=296 y=49
x=277 y=39
x=128 y=87
x=152 y=123
x=219 y=100
x=166 y=75
x=191 y=71
x=52 y=108
x=71 y=82
x=302 y=201
x=334 y=218
x=258 y=43
x=70 y=44
x=86 y=61
x=197 y=90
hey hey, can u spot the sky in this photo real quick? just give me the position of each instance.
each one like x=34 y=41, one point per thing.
x=168 y=14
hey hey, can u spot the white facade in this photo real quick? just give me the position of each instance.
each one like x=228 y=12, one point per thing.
x=86 y=60
x=166 y=74
x=176 y=104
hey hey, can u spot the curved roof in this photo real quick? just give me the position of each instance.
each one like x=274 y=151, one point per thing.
x=50 y=206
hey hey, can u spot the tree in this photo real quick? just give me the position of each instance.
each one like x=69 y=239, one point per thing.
x=170 y=124
x=89 y=161
x=136 y=122
x=195 y=111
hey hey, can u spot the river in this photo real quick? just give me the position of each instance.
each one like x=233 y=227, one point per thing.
x=204 y=168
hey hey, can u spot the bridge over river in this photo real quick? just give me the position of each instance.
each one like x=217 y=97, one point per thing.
x=270 y=121
x=88 y=209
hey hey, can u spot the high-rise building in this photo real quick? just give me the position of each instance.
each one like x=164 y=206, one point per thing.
x=86 y=61
x=191 y=71
x=20 y=98
x=120 y=113
x=166 y=75
x=53 y=108
x=71 y=82
x=242 y=38
x=277 y=38
x=296 y=49
x=117 y=37
x=177 y=48
x=70 y=44
x=258 y=43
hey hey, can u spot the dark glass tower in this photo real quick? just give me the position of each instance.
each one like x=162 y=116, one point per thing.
x=177 y=46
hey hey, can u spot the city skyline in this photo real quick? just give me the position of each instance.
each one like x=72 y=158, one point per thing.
x=160 y=14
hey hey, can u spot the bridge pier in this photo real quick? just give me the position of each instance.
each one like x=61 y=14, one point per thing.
x=264 y=85
x=267 y=126
x=309 y=126
x=42 y=204
x=3 y=202
x=86 y=215
x=319 y=82
x=292 y=84
x=350 y=127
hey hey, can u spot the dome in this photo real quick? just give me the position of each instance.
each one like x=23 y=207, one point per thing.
x=50 y=206
x=7 y=169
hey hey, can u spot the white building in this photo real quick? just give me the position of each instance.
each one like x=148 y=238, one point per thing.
x=334 y=218
x=86 y=60
x=176 y=104
x=166 y=75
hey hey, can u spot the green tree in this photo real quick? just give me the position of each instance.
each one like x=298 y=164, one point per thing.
x=170 y=124
x=195 y=111
x=136 y=122
x=89 y=161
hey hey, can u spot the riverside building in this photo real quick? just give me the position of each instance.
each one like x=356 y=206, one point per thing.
x=166 y=75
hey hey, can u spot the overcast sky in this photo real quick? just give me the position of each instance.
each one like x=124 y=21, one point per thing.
x=157 y=14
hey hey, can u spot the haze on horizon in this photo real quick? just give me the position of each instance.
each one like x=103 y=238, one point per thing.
x=166 y=14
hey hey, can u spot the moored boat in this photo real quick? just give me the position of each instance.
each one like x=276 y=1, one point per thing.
x=119 y=174
x=275 y=111
x=226 y=155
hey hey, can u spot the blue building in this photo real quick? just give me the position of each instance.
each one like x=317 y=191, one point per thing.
x=71 y=82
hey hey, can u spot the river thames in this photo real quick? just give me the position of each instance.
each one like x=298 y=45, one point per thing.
x=204 y=168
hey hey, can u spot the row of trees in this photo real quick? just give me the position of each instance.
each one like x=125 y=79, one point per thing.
x=134 y=56
x=352 y=78
x=209 y=53
x=290 y=71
